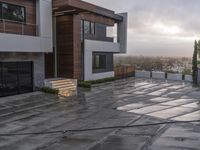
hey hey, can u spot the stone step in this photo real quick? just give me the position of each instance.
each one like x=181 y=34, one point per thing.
x=60 y=81
x=67 y=88
x=63 y=86
x=67 y=91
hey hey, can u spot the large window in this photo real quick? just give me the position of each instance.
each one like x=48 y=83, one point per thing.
x=12 y=12
x=102 y=62
x=89 y=27
x=0 y=10
x=99 y=62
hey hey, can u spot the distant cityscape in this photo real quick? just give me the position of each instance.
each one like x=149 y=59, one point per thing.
x=167 y=64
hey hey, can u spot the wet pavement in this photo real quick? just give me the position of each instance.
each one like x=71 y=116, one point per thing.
x=123 y=102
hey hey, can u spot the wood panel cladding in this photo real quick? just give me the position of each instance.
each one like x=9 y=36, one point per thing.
x=82 y=6
x=68 y=46
x=77 y=47
x=29 y=27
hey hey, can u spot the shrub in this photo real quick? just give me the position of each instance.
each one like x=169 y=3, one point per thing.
x=102 y=80
x=84 y=84
x=50 y=90
x=88 y=84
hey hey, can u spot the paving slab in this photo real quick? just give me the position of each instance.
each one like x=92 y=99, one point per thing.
x=179 y=138
x=120 y=103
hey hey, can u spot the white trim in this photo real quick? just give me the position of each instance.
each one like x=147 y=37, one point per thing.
x=96 y=76
x=102 y=46
x=97 y=46
x=24 y=43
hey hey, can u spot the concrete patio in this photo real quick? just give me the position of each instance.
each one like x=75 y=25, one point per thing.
x=123 y=102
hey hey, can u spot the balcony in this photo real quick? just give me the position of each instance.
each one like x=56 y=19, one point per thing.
x=15 y=27
x=26 y=37
x=101 y=46
x=22 y=37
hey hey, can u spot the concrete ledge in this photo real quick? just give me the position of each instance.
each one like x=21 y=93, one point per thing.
x=102 y=46
x=158 y=75
x=142 y=74
x=188 y=78
x=175 y=76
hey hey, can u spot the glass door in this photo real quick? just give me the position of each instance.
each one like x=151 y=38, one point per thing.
x=10 y=78
x=25 y=77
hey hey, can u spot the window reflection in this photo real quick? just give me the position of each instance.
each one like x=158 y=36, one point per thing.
x=12 y=12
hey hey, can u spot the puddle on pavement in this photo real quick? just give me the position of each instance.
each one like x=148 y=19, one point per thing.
x=131 y=106
x=171 y=112
x=159 y=92
x=160 y=99
x=191 y=116
x=178 y=102
x=149 y=109
x=192 y=105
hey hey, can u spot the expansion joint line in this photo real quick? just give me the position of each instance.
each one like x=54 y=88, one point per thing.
x=99 y=128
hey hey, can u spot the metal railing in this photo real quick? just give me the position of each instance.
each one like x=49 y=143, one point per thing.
x=17 y=27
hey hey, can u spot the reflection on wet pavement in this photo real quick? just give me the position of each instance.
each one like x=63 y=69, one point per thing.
x=178 y=138
x=123 y=102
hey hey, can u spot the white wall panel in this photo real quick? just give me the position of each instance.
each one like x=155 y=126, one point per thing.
x=175 y=76
x=142 y=74
x=97 y=46
x=158 y=75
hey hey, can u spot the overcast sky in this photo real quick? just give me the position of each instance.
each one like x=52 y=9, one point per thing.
x=159 y=27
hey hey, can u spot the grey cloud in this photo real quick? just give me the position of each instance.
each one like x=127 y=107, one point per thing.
x=143 y=14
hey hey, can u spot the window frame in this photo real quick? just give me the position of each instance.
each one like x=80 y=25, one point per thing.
x=90 y=31
x=2 y=17
x=1 y=9
x=94 y=67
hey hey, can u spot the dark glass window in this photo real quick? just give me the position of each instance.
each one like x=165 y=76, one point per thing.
x=99 y=61
x=13 y=12
x=86 y=27
x=15 y=78
x=89 y=27
x=1 y=80
x=92 y=28
x=25 y=77
x=0 y=10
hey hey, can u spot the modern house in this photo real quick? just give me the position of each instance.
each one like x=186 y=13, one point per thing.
x=82 y=48
x=25 y=37
x=56 y=39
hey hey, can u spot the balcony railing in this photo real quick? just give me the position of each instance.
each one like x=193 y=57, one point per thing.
x=15 y=27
